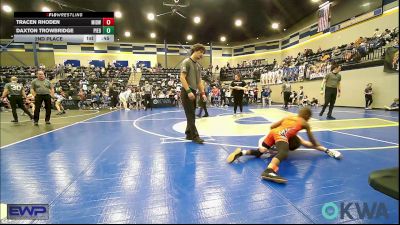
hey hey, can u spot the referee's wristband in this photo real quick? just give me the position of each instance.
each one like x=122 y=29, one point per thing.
x=189 y=91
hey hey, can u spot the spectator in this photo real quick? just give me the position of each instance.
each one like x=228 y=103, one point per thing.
x=314 y=102
x=368 y=96
x=266 y=96
x=394 y=106
x=331 y=84
x=305 y=101
x=60 y=98
x=124 y=97
x=300 y=95
x=203 y=106
x=215 y=96
x=82 y=99
x=376 y=33
x=255 y=94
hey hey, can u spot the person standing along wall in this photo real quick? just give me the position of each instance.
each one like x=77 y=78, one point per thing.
x=331 y=83
x=368 y=96
x=286 y=91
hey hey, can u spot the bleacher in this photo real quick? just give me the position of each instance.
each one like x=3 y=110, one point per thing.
x=24 y=73
x=247 y=72
x=309 y=65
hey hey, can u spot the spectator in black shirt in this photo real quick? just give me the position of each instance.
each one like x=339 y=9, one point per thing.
x=238 y=87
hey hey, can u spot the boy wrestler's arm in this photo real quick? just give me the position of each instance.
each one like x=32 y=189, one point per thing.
x=310 y=134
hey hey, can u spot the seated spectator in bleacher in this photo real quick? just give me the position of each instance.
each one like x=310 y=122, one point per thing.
x=215 y=96
x=293 y=98
x=30 y=102
x=376 y=33
x=60 y=97
x=394 y=106
x=251 y=95
x=305 y=101
x=82 y=99
x=386 y=35
x=171 y=82
x=266 y=96
x=325 y=57
x=314 y=102
x=96 y=89
x=161 y=94
x=362 y=48
x=358 y=41
x=132 y=100
x=337 y=55
x=58 y=87
x=84 y=84
x=216 y=69
x=95 y=103
x=395 y=61
x=139 y=99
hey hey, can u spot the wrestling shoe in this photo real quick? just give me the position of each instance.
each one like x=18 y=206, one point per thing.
x=271 y=175
x=234 y=155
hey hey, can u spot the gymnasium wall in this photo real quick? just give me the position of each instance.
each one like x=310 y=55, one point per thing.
x=221 y=61
x=131 y=52
x=385 y=88
x=85 y=58
x=175 y=60
x=21 y=58
x=9 y=58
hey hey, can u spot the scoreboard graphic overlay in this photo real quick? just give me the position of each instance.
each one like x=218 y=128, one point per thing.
x=79 y=27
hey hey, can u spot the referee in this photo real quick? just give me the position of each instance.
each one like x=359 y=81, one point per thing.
x=191 y=81
x=148 y=89
x=42 y=90
x=331 y=83
x=16 y=94
x=286 y=91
